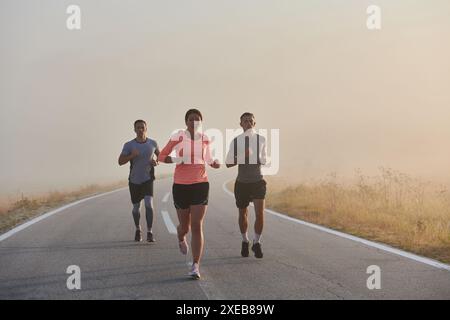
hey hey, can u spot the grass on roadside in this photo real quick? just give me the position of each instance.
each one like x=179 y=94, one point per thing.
x=17 y=211
x=13 y=213
x=391 y=208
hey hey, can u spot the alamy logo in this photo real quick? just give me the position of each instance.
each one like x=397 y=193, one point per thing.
x=374 y=281
x=74 y=280
x=236 y=147
x=73 y=22
x=374 y=19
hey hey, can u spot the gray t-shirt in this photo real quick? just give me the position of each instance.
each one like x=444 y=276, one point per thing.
x=141 y=169
x=249 y=167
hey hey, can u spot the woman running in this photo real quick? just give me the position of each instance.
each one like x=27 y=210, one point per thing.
x=191 y=187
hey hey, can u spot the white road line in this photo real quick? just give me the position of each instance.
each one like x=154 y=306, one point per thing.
x=50 y=213
x=168 y=222
x=377 y=245
x=166 y=197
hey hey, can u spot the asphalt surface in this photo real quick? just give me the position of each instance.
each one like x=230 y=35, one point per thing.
x=299 y=262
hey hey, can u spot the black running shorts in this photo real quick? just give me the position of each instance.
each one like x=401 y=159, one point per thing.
x=139 y=191
x=246 y=192
x=185 y=195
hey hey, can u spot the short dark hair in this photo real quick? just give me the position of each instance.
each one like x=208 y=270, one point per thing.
x=139 y=121
x=245 y=114
x=192 y=111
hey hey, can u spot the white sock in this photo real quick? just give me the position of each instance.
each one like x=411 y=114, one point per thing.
x=257 y=238
x=245 y=237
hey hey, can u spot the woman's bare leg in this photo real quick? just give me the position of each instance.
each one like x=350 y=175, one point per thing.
x=184 y=219
x=197 y=214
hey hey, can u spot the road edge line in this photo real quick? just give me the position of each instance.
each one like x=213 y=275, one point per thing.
x=41 y=217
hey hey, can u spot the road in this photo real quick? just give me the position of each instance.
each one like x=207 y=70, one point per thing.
x=300 y=262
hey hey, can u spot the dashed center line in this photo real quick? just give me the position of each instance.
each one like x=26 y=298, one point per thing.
x=166 y=197
x=168 y=222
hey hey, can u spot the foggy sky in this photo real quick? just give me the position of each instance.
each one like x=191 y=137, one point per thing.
x=342 y=96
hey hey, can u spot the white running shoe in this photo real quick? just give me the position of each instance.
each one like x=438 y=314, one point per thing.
x=195 y=273
x=183 y=247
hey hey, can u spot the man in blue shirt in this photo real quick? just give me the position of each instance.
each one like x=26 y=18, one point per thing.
x=142 y=153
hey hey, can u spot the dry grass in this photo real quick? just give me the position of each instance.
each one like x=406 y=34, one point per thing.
x=391 y=207
x=17 y=211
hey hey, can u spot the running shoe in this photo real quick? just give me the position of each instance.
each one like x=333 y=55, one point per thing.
x=195 y=273
x=183 y=247
x=150 y=237
x=256 y=248
x=244 y=249
x=138 y=236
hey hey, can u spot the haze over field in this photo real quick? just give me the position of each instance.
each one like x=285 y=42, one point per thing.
x=342 y=96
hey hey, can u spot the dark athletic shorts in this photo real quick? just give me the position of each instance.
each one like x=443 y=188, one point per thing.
x=246 y=192
x=139 y=191
x=185 y=195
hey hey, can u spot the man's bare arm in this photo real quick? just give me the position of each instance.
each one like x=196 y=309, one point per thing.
x=231 y=160
x=123 y=159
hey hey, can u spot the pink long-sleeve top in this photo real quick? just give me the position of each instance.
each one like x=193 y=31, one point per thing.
x=190 y=156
